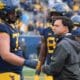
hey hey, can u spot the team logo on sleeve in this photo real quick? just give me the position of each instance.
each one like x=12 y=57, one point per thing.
x=12 y=77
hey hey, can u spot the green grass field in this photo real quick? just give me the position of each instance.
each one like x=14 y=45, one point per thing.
x=30 y=73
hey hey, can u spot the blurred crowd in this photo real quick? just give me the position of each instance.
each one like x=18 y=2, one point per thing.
x=35 y=13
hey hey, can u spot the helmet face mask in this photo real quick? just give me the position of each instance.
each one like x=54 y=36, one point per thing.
x=76 y=20
x=8 y=13
x=52 y=15
x=11 y=17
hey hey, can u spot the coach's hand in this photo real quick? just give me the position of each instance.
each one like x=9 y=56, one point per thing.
x=46 y=69
x=37 y=72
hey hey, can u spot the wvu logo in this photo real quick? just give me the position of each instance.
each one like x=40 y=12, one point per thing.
x=12 y=77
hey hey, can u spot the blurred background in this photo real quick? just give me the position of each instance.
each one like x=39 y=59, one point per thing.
x=32 y=23
x=35 y=12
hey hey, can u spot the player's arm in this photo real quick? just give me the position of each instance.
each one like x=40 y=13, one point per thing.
x=5 y=53
x=42 y=56
x=9 y=57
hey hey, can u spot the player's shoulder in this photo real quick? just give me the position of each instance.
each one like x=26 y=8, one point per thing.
x=47 y=30
x=4 y=28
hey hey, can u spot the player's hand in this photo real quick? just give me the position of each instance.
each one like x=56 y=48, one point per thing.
x=37 y=72
x=38 y=68
x=31 y=63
